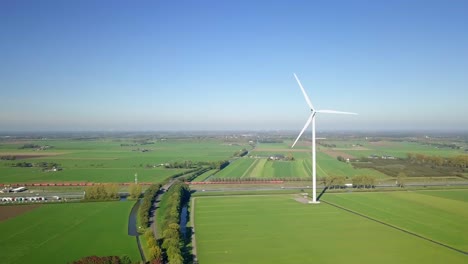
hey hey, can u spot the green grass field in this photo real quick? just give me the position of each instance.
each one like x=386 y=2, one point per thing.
x=118 y=159
x=204 y=176
x=106 y=160
x=61 y=233
x=439 y=215
x=278 y=229
x=394 y=148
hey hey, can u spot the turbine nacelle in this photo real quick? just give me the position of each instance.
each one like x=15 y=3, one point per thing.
x=313 y=111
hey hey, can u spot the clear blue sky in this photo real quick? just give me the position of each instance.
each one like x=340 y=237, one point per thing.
x=215 y=65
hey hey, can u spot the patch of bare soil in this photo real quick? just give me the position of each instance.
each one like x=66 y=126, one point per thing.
x=352 y=148
x=301 y=199
x=335 y=153
x=10 y=211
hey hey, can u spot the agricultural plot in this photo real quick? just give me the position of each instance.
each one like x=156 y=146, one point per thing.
x=61 y=233
x=278 y=229
x=301 y=167
x=328 y=166
x=438 y=215
x=394 y=167
x=236 y=169
x=398 y=149
x=263 y=168
x=115 y=175
x=204 y=176
x=107 y=160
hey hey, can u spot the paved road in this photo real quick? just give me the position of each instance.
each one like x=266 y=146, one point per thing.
x=225 y=188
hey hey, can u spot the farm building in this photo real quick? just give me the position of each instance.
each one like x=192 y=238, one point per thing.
x=276 y=157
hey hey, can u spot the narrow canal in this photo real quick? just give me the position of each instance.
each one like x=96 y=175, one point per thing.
x=132 y=228
x=183 y=221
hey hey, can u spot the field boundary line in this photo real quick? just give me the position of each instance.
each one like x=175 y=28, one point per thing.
x=249 y=169
x=397 y=228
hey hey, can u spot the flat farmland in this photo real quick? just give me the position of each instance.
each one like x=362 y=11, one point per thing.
x=236 y=169
x=61 y=233
x=301 y=167
x=278 y=229
x=438 y=215
x=328 y=166
x=204 y=176
x=393 y=148
x=115 y=175
x=107 y=160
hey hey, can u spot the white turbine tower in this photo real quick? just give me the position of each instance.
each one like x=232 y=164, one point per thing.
x=312 y=119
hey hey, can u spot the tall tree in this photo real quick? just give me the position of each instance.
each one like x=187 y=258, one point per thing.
x=134 y=190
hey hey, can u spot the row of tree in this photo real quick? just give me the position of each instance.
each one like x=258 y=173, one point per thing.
x=339 y=182
x=102 y=192
x=147 y=203
x=241 y=153
x=175 y=198
x=8 y=157
x=188 y=164
x=103 y=260
x=192 y=175
x=443 y=145
x=327 y=145
x=29 y=145
x=333 y=182
x=42 y=164
x=364 y=181
x=238 y=179
x=460 y=161
x=219 y=165
x=155 y=253
x=134 y=190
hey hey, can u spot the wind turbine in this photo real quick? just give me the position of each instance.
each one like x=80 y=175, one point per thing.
x=312 y=119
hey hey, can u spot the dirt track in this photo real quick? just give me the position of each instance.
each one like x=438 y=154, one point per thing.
x=10 y=211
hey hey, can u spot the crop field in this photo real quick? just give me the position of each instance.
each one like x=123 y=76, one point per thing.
x=61 y=233
x=278 y=229
x=300 y=167
x=106 y=160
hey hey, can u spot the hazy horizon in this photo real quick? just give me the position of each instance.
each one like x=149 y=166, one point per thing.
x=219 y=66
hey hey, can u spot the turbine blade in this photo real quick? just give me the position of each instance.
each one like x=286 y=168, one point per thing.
x=305 y=127
x=304 y=92
x=335 y=112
